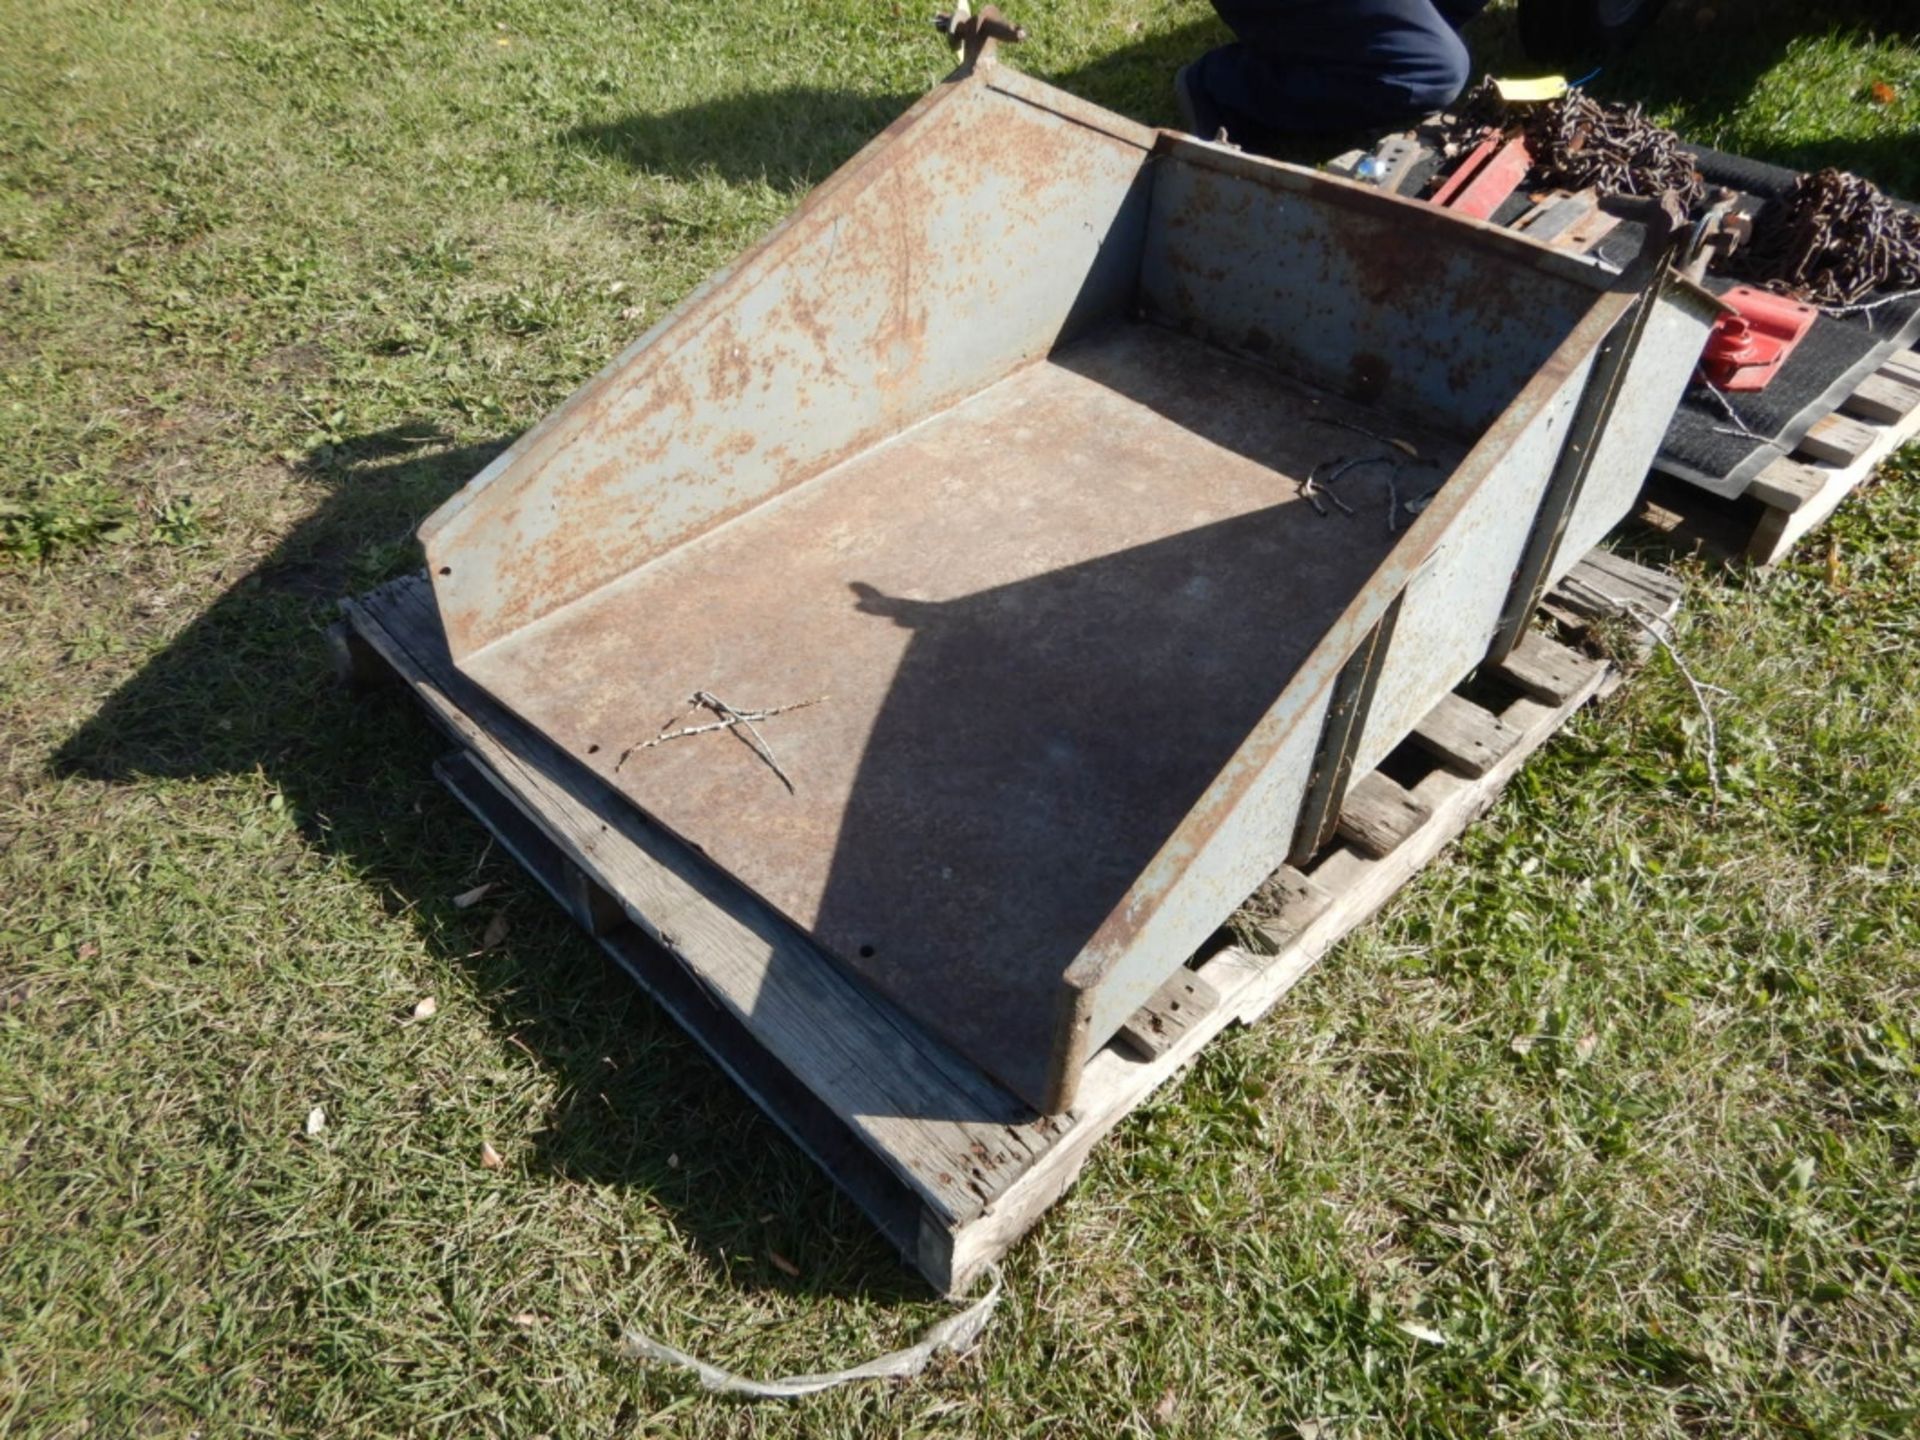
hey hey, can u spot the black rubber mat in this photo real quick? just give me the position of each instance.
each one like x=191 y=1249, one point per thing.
x=1704 y=443
x=1749 y=177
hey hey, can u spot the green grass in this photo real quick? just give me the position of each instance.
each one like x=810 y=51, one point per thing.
x=1619 y=1098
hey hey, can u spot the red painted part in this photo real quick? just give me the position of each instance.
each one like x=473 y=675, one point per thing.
x=1485 y=178
x=1747 y=348
x=1464 y=171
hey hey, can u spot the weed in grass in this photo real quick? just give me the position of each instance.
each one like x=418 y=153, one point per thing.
x=53 y=518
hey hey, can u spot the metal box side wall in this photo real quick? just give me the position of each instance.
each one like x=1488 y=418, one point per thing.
x=1241 y=828
x=1383 y=300
x=1657 y=377
x=968 y=240
x=1454 y=605
x=1235 y=838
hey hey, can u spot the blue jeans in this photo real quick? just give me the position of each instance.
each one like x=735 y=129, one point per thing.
x=1310 y=65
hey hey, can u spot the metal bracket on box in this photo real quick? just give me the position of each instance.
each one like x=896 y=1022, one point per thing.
x=1590 y=416
x=1346 y=721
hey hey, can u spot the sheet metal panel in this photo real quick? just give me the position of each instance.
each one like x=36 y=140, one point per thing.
x=1384 y=300
x=1454 y=604
x=1043 y=621
x=968 y=240
x=1657 y=377
x=1523 y=370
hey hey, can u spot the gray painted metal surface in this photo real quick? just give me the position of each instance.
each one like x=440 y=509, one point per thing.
x=995 y=453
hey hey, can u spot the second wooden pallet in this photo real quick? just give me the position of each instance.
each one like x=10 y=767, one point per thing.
x=1797 y=492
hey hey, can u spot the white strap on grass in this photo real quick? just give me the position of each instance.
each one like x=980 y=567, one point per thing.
x=952 y=1335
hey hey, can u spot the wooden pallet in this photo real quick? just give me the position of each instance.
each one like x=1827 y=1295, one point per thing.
x=1798 y=491
x=947 y=1165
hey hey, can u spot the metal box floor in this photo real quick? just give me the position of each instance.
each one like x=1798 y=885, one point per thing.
x=1038 y=625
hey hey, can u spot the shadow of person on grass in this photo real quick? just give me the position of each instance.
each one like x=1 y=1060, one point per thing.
x=797 y=135
x=249 y=689
x=787 y=138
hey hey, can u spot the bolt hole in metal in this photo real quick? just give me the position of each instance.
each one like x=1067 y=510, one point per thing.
x=866 y=952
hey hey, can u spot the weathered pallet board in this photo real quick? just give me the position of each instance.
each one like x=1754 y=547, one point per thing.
x=1797 y=492
x=948 y=1166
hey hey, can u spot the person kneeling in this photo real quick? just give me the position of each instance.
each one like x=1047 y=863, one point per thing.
x=1307 y=66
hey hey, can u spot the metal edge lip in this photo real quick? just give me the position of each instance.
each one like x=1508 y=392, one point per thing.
x=1281 y=174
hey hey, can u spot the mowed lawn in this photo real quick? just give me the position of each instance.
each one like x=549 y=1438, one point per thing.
x=1608 y=1126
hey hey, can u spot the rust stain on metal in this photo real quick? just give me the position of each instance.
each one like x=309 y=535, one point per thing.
x=728 y=371
x=663 y=389
x=803 y=311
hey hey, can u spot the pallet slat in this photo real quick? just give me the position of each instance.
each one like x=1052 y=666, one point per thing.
x=1379 y=814
x=1603 y=584
x=1788 y=484
x=1180 y=1004
x=1544 y=670
x=1883 y=399
x=1904 y=367
x=1838 y=439
x=1297 y=901
x=1464 y=735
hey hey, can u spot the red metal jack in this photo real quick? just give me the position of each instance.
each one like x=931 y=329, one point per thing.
x=1746 y=349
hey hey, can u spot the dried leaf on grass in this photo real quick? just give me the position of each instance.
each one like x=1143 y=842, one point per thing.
x=316 y=1120
x=467 y=899
x=490 y=1157
x=425 y=1008
x=783 y=1265
x=496 y=932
